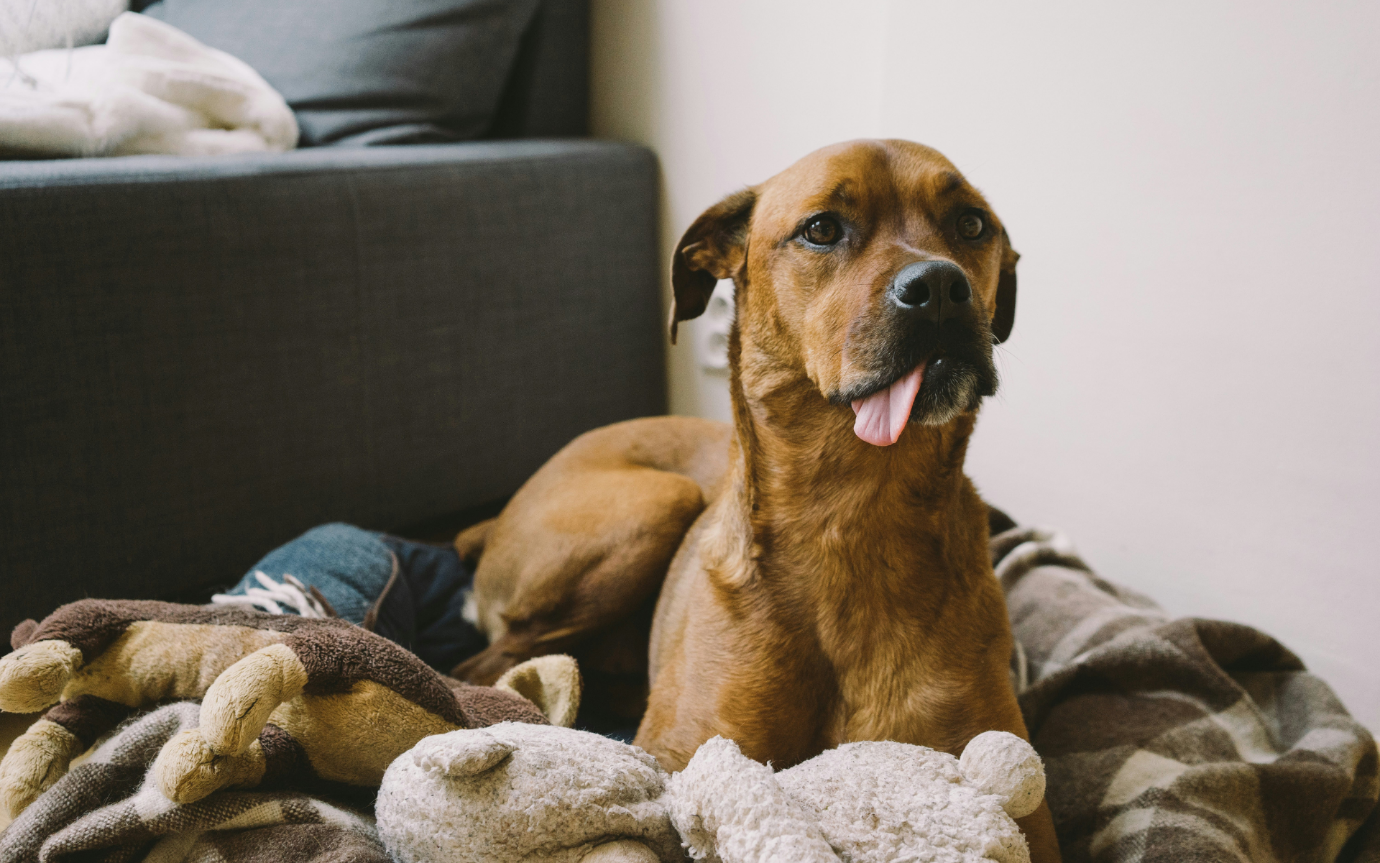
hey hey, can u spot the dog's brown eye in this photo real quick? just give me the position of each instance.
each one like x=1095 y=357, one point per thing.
x=970 y=226
x=823 y=231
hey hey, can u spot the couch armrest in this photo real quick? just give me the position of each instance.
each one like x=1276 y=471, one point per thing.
x=203 y=357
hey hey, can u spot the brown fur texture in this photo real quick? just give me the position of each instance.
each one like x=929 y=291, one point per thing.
x=588 y=586
x=829 y=590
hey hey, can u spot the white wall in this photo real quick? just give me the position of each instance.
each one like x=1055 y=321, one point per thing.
x=1192 y=390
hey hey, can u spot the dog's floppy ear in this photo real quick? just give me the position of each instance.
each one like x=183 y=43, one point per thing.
x=713 y=248
x=1005 y=315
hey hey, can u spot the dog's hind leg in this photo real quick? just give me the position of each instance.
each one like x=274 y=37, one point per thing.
x=579 y=562
x=575 y=561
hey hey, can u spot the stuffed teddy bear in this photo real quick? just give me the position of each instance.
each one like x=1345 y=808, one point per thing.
x=514 y=792
x=286 y=700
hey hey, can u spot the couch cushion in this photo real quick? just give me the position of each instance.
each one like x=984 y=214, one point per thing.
x=201 y=358
x=365 y=71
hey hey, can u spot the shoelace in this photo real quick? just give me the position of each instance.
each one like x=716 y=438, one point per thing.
x=290 y=592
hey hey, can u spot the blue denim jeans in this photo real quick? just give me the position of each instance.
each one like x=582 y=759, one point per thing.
x=412 y=593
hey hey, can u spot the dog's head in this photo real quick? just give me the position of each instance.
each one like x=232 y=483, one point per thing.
x=872 y=269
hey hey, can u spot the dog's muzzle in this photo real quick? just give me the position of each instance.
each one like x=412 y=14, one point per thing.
x=930 y=354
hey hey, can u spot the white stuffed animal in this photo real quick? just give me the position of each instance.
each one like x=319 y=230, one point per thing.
x=514 y=792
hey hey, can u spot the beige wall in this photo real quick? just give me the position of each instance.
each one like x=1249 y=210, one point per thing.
x=1192 y=390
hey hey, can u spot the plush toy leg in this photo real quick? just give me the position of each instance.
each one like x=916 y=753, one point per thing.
x=37 y=758
x=225 y=750
x=621 y=851
x=33 y=677
x=41 y=756
x=237 y=706
x=187 y=769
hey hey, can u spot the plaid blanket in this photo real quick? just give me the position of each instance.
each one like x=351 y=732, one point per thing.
x=106 y=811
x=1177 y=740
x=1163 y=740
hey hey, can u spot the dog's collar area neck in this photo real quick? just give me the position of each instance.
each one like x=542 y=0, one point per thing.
x=922 y=471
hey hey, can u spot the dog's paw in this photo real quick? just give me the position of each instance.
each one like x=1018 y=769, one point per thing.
x=32 y=678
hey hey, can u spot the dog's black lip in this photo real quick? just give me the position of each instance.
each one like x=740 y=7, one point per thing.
x=857 y=395
x=959 y=344
x=954 y=360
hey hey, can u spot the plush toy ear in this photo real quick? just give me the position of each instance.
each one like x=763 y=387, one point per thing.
x=23 y=633
x=462 y=753
x=550 y=682
x=1004 y=318
x=1005 y=765
x=713 y=248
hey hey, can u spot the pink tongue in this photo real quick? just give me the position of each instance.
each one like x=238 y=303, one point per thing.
x=883 y=415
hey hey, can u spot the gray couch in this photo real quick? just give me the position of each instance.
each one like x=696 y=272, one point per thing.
x=201 y=358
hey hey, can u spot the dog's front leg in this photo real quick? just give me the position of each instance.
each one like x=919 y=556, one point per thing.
x=1038 y=828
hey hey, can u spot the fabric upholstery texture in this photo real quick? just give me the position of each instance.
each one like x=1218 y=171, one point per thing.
x=366 y=72
x=547 y=94
x=205 y=357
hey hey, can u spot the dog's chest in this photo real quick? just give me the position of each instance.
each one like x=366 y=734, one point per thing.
x=899 y=640
x=883 y=673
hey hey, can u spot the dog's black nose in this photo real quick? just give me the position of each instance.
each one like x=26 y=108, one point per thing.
x=933 y=290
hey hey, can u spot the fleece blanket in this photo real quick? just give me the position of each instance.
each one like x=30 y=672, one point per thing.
x=32 y=25
x=150 y=89
x=1173 y=740
x=106 y=811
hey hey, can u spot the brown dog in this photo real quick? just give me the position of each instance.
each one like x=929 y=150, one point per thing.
x=834 y=583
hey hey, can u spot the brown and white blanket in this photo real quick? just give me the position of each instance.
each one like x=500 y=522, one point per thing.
x=1177 y=740
x=1163 y=740
x=106 y=810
